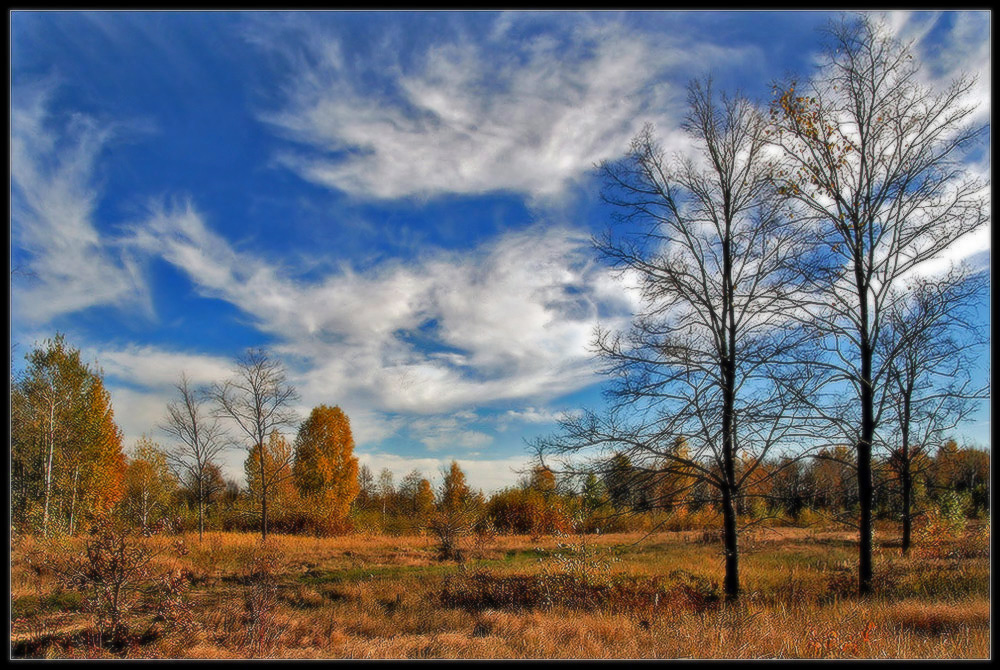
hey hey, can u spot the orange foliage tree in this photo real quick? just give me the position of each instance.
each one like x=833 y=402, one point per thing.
x=149 y=485
x=325 y=469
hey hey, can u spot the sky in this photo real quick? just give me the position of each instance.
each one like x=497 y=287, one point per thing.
x=397 y=205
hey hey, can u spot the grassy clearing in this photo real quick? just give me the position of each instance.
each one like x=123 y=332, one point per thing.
x=516 y=597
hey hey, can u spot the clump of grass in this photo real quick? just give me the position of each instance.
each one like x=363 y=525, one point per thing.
x=59 y=600
x=485 y=589
x=937 y=618
x=304 y=597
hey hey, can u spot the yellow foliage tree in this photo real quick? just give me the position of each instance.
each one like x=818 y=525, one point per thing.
x=454 y=491
x=276 y=472
x=67 y=463
x=148 y=484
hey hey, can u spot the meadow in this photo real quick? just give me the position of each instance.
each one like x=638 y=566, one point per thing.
x=627 y=595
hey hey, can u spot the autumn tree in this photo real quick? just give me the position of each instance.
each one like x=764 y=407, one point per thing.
x=270 y=468
x=872 y=156
x=454 y=514
x=200 y=440
x=386 y=491
x=455 y=491
x=325 y=469
x=673 y=486
x=424 y=500
x=257 y=399
x=593 y=496
x=704 y=238
x=416 y=497
x=149 y=485
x=366 y=487
x=67 y=462
x=964 y=470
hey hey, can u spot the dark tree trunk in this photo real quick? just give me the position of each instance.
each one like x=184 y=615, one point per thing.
x=731 y=585
x=907 y=506
x=201 y=508
x=865 y=488
x=867 y=433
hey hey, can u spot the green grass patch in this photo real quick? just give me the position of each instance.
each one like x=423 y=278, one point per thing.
x=58 y=601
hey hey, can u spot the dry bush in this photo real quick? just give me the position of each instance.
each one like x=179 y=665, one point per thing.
x=940 y=535
x=448 y=528
x=580 y=582
x=485 y=535
x=117 y=575
x=255 y=624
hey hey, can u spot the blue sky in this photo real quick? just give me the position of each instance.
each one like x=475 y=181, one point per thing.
x=397 y=204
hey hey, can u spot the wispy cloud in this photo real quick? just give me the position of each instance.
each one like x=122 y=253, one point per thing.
x=510 y=110
x=54 y=193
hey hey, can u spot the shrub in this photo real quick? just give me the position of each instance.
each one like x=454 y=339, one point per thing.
x=116 y=574
x=449 y=527
x=260 y=566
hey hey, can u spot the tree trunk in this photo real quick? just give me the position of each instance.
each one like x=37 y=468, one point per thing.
x=72 y=506
x=907 y=506
x=865 y=488
x=263 y=491
x=48 y=472
x=201 y=508
x=263 y=515
x=867 y=434
x=731 y=586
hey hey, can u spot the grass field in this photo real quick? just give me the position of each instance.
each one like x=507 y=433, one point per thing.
x=611 y=596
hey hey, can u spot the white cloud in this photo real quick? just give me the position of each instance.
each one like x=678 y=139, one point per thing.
x=160 y=369
x=53 y=198
x=536 y=415
x=480 y=114
x=947 y=53
x=509 y=320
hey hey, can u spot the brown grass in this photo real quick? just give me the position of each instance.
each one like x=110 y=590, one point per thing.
x=608 y=596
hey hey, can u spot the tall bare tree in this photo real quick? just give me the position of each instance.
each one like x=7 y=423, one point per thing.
x=873 y=157
x=932 y=341
x=693 y=399
x=257 y=399
x=200 y=438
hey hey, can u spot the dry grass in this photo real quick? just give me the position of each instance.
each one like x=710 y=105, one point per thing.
x=517 y=597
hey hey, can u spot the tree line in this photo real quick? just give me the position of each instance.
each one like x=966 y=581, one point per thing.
x=70 y=467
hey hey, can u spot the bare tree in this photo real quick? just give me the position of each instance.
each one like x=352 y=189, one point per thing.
x=873 y=158
x=200 y=438
x=692 y=395
x=932 y=342
x=257 y=399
